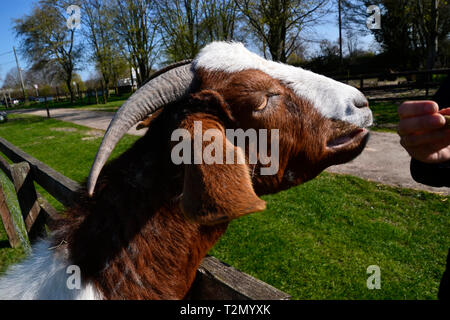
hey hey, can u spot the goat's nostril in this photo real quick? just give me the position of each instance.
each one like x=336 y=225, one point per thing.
x=362 y=103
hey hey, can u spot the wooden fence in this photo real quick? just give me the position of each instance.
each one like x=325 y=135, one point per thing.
x=215 y=279
x=421 y=79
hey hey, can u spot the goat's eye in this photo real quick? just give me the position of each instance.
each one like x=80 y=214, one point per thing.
x=266 y=100
x=263 y=104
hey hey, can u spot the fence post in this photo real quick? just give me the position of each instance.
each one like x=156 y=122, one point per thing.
x=28 y=201
x=10 y=213
x=7 y=220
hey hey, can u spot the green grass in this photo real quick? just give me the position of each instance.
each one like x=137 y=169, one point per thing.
x=385 y=116
x=66 y=147
x=114 y=102
x=314 y=241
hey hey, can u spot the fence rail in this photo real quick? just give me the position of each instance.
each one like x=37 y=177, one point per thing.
x=419 y=79
x=215 y=279
x=392 y=74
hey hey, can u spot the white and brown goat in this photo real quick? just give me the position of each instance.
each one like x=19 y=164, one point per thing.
x=143 y=225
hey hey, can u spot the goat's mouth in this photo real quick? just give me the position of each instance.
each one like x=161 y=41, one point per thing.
x=347 y=140
x=346 y=146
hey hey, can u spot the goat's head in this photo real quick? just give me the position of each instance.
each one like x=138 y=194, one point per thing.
x=320 y=122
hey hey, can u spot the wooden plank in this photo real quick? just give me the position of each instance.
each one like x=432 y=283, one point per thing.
x=218 y=281
x=12 y=216
x=26 y=194
x=58 y=185
x=4 y=166
x=50 y=214
x=8 y=223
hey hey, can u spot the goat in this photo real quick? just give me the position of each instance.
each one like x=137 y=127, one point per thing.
x=143 y=224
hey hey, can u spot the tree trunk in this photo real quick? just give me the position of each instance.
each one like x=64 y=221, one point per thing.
x=432 y=42
x=69 y=87
x=46 y=107
x=96 y=96
x=104 y=93
x=131 y=77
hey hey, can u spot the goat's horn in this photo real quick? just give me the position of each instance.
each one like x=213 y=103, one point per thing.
x=165 y=86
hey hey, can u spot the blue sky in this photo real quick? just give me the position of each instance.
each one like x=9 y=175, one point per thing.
x=10 y=10
x=17 y=8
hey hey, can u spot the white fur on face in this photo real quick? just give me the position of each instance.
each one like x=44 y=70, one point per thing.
x=43 y=276
x=333 y=99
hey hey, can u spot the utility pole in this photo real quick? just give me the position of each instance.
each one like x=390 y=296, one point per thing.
x=6 y=100
x=25 y=97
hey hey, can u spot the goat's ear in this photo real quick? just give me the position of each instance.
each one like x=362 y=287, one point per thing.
x=217 y=191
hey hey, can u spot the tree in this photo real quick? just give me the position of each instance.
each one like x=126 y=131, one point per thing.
x=180 y=25
x=188 y=25
x=220 y=20
x=136 y=27
x=428 y=27
x=351 y=41
x=11 y=80
x=181 y=30
x=98 y=20
x=410 y=32
x=119 y=68
x=49 y=74
x=46 y=38
x=278 y=23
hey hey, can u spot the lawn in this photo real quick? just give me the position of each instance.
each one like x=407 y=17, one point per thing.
x=314 y=241
x=114 y=102
x=66 y=147
x=385 y=116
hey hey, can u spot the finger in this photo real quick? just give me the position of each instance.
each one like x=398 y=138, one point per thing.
x=416 y=108
x=445 y=111
x=421 y=124
x=430 y=155
x=435 y=137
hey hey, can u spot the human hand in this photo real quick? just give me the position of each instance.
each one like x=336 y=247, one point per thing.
x=423 y=131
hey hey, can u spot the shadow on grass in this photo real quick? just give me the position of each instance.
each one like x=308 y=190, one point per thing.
x=4 y=244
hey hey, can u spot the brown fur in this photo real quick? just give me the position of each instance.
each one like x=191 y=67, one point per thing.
x=150 y=222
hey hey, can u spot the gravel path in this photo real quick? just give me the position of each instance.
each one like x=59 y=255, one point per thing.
x=383 y=160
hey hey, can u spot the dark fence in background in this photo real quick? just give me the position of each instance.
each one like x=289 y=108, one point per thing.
x=374 y=85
